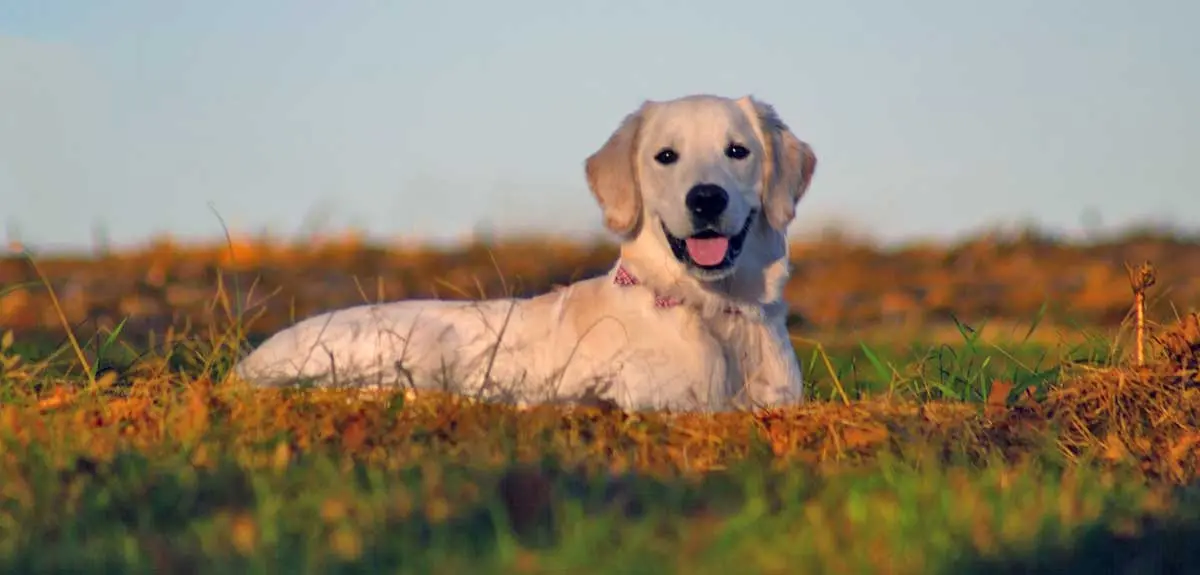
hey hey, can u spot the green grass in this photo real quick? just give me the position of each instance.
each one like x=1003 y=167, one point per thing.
x=324 y=514
x=222 y=503
x=962 y=370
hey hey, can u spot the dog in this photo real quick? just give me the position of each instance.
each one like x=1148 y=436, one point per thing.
x=700 y=191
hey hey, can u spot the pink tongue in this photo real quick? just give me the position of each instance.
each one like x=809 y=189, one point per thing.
x=707 y=251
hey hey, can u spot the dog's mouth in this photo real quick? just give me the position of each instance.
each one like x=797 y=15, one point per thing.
x=709 y=250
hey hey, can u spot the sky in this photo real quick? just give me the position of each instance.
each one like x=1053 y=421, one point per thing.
x=930 y=118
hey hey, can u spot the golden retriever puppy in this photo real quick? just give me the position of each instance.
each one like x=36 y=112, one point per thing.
x=700 y=190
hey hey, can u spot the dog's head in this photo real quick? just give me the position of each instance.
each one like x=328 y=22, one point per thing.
x=701 y=173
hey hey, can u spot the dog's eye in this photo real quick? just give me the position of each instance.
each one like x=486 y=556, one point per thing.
x=736 y=151
x=666 y=156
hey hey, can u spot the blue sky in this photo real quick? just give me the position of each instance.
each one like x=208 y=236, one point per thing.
x=931 y=118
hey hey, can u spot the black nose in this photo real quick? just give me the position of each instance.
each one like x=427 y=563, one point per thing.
x=707 y=202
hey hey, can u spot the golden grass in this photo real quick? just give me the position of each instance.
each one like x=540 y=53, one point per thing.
x=836 y=287
x=176 y=405
x=1143 y=416
x=1142 y=413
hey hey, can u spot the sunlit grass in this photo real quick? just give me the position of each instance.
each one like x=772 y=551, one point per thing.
x=920 y=454
x=170 y=469
x=264 y=512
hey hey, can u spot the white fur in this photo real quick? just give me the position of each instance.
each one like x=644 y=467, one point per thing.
x=595 y=338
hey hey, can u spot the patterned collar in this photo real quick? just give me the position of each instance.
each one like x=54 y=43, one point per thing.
x=625 y=279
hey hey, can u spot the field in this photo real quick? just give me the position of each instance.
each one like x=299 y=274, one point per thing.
x=981 y=407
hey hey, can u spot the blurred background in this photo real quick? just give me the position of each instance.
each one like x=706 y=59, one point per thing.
x=932 y=119
x=977 y=160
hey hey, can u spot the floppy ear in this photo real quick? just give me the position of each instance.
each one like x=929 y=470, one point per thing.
x=613 y=179
x=788 y=164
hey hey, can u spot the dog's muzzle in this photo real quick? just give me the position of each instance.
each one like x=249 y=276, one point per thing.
x=709 y=250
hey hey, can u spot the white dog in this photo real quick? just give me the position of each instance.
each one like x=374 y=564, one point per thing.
x=691 y=317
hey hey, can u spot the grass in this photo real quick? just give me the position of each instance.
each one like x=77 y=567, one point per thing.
x=984 y=454
x=320 y=512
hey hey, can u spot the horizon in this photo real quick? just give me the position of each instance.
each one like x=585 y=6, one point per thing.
x=834 y=233
x=931 y=122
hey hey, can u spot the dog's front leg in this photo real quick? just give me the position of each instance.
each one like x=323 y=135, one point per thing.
x=776 y=380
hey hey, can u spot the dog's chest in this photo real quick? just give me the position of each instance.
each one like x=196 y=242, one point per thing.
x=739 y=340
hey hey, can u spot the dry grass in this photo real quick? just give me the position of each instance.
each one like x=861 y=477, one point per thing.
x=1142 y=414
x=1147 y=415
x=164 y=464
x=836 y=286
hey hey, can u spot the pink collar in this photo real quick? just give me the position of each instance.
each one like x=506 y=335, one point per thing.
x=625 y=279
